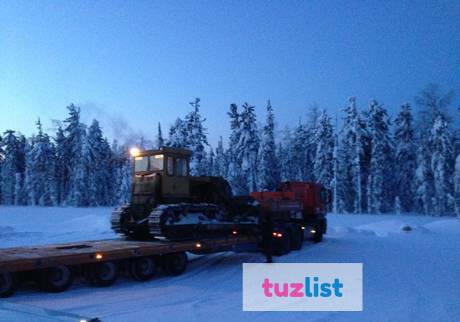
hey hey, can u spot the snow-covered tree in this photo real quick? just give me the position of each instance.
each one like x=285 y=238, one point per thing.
x=284 y=153
x=442 y=166
x=432 y=102
x=178 y=135
x=159 y=141
x=98 y=157
x=61 y=169
x=324 y=161
x=76 y=147
x=351 y=158
x=197 y=140
x=405 y=158
x=298 y=151
x=40 y=178
x=13 y=163
x=424 y=187
x=380 y=188
x=235 y=174
x=220 y=160
x=248 y=147
x=457 y=185
x=269 y=175
x=335 y=164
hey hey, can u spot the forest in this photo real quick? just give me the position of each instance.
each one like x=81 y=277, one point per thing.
x=371 y=161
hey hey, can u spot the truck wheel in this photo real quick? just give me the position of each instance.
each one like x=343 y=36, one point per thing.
x=282 y=245
x=174 y=264
x=142 y=268
x=318 y=236
x=102 y=274
x=8 y=284
x=296 y=233
x=55 y=279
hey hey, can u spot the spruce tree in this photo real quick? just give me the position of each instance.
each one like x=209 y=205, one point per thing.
x=324 y=161
x=178 y=134
x=220 y=160
x=98 y=156
x=40 y=178
x=351 y=161
x=457 y=185
x=269 y=175
x=248 y=147
x=442 y=162
x=380 y=188
x=9 y=167
x=235 y=174
x=159 y=141
x=197 y=139
x=405 y=158
x=61 y=172
x=76 y=147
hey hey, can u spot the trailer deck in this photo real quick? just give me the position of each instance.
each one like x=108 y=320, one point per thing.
x=53 y=267
x=19 y=259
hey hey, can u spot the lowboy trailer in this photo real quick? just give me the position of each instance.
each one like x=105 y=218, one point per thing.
x=284 y=218
x=54 y=267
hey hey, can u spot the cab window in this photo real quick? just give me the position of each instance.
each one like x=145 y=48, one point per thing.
x=170 y=166
x=141 y=164
x=156 y=162
x=181 y=166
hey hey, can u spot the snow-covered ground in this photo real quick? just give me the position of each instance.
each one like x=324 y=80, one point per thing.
x=408 y=275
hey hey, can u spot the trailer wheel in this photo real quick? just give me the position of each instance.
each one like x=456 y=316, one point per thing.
x=142 y=268
x=102 y=274
x=174 y=264
x=282 y=245
x=8 y=284
x=55 y=279
x=296 y=237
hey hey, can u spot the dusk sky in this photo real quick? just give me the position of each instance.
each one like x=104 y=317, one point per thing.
x=134 y=63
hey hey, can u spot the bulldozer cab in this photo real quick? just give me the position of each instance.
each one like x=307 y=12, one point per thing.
x=170 y=164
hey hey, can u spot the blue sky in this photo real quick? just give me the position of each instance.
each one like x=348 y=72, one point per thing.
x=134 y=63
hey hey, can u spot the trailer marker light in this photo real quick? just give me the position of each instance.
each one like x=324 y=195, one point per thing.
x=99 y=256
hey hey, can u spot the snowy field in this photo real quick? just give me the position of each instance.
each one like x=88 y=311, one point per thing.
x=408 y=276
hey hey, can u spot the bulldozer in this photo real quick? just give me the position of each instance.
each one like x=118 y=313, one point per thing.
x=167 y=202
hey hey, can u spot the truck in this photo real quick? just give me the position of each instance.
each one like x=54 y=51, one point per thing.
x=171 y=214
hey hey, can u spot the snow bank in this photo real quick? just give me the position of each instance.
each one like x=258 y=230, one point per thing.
x=26 y=226
x=384 y=228
x=447 y=226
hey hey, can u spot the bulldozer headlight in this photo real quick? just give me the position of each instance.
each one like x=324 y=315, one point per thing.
x=134 y=152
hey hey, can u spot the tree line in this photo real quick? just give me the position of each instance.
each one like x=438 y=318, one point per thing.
x=371 y=162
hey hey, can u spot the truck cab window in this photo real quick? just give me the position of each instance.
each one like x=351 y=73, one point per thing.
x=170 y=166
x=156 y=162
x=181 y=166
x=141 y=164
